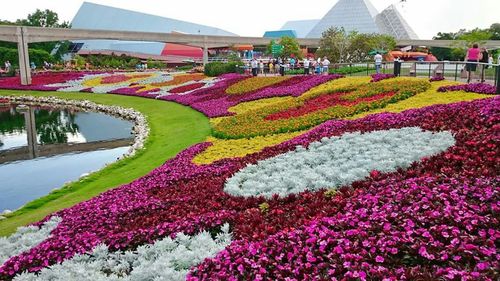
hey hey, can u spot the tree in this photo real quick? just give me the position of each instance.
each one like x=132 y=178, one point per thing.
x=495 y=31
x=335 y=44
x=382 y=42
x=340 y=46
x=46 y=18
x=444 y=53
x=475 y=36
x=360 y=47
x=291 y=47
x=457 y=52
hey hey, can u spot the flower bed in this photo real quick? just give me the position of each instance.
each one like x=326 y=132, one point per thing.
x=142 y=84
x=186 y=88
x=118 y=78
x=480 y=88
x=40 y=81
x=436 y=78
x=337 y=161
x=410 y=195
x=139 y=213
x=425 y=226
x=381 y=76
x=181 y=79
x=215 y=102
x=254 y=83
x=166 y=259
x=299 y=114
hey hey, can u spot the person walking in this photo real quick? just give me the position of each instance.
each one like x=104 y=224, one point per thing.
x=281 y=64
x=484 y=60
x=292 y=63
x=326 y=65
x=472 y=58
x=306 y=66
x=255 y=67
x=378 y=62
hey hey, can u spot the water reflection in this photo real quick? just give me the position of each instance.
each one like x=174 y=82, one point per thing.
x=50 y=131
x=43 y=147
x=52 y=125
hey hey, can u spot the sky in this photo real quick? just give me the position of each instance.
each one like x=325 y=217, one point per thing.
x=253 y=18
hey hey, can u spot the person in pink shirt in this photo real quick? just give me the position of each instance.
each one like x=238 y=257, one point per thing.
x=473 y=57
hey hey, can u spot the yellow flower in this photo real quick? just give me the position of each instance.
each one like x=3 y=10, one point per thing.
x=254 y=105
x=221 y=149
x=254 y=83
x=427 y=98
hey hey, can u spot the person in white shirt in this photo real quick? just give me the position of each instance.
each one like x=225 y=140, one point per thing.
x=255 y=67
x=306 y=66
x=378 y=62
x=326 y=64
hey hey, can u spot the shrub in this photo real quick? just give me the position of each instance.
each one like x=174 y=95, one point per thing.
x=217 y=68
x=36 y=55
x=184 y=68
x=156 y=64
x=342 y=70
x=349 y=70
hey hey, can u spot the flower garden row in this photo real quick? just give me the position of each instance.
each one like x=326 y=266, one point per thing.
x=411 y=195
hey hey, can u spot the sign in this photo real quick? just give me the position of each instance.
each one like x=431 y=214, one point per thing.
x=276 y=49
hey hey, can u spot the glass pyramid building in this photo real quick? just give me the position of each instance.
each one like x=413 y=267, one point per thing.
x=362 y=16
x=391 y=22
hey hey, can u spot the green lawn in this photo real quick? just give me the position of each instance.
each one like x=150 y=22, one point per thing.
x=173 y=127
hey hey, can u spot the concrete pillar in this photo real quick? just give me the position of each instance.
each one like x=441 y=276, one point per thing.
x=205 y=51
x=24 y=58
x=205 y=55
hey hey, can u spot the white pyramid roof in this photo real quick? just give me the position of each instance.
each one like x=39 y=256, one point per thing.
x=353 y=15
x=302 y=27
x=391 y=22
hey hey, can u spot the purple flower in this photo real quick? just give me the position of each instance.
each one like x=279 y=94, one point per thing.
x=381 y=76
x=480 y=88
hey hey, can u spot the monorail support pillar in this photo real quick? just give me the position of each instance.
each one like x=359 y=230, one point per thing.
x=24 y=58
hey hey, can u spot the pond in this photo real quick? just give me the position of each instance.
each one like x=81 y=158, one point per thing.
x=43 y=147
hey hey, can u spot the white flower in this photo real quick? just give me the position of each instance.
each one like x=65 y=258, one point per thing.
x=167 y=259
x=26 y=238
x=337 y=161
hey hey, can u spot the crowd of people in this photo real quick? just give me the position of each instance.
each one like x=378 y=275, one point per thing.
x=280 y=65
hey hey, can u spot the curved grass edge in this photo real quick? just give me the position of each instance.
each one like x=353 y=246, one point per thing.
x=173 y=127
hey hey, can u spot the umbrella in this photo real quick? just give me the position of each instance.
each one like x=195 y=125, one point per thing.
x=374 y=52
